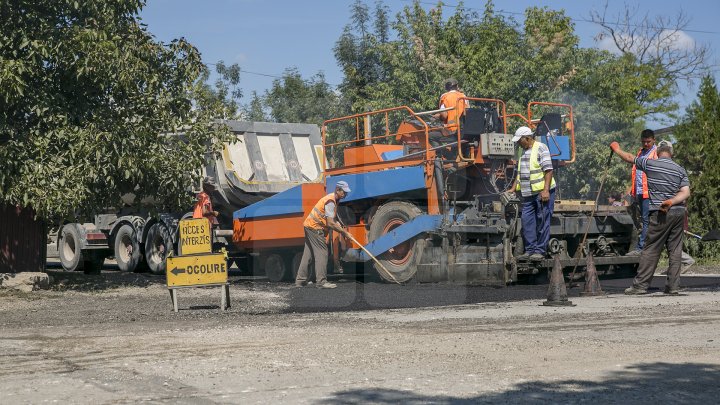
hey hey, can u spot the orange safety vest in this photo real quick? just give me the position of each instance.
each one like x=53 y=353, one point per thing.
x=645 y=192
x=317 y=220
x=204 y=200
x=453 y=99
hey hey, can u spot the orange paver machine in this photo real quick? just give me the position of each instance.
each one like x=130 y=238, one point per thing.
x=430 y=203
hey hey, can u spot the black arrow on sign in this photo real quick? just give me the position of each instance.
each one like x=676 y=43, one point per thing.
x=177 y=271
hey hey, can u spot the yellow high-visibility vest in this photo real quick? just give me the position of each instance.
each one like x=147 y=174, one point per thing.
x=537 y=176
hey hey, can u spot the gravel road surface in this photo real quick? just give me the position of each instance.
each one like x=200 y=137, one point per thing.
x=113 y=338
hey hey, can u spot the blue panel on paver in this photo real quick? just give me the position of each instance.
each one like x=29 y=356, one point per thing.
x=559 y=144
x=402 y=233
x=380 y=183
x=392 y=155
x=284 y=203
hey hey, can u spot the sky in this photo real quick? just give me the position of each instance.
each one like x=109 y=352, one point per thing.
x=266 y=37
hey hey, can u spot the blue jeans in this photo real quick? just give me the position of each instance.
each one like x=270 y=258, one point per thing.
x=644 y=207
x=536 y=217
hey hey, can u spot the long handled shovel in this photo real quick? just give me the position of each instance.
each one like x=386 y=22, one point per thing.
x=386 y=271
x=710 y=236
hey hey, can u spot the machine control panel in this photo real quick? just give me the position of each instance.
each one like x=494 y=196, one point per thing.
x=495 y=144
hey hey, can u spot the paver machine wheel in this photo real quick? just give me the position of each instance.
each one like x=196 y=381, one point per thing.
x=402 y=259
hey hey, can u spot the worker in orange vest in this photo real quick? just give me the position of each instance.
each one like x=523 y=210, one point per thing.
x=318 y=222
x=455 y=99
x=203 y=207
x=639 y=186
x=447 y=135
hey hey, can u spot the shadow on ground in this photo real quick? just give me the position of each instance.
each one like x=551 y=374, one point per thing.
x=107 y=280
x=653 y=383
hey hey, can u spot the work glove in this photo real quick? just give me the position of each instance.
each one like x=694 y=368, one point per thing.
x=665 y=206
x=615 y=146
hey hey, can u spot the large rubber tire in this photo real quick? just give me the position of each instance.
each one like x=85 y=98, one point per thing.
x=127 y=249
x=157 y=248
x=403 y=259
x=71 y=256
x=275 y=268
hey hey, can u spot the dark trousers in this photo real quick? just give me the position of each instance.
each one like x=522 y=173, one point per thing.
x=316 y=249
x=664 y=230
x=536 y=216
x=643 y=206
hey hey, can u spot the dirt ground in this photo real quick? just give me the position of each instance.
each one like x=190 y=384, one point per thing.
x=113 y=338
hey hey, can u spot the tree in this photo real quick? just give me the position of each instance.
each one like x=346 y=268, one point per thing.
x=92 y=108
x=698 y=150
x=659 y=49
x=294 y=99
x=222 y=97
x=255 y=110
x=358 y=52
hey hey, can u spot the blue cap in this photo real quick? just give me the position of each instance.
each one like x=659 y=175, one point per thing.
x=343 y=185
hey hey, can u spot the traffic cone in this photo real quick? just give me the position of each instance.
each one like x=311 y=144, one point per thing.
x=592 y=283
x=557 y=294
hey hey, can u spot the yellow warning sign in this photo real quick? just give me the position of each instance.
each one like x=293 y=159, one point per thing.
x=196 y=270
x=195 y=236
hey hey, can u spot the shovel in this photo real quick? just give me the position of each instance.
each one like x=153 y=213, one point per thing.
x=710 y=236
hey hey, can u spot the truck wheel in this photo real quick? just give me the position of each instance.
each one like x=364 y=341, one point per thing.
x=157 y=248
x=127 y=249
x=71 y=256
x=275 y=269
x=402 y=260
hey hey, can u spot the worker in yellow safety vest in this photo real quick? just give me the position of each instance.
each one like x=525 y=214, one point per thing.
x=639 y=187
x=316 y=226
x=536 y=184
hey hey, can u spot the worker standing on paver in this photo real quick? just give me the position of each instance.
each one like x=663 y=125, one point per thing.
x=537 y=186
x=639 y=186
x=668 y=189
x=317 y=224
x=455 y=99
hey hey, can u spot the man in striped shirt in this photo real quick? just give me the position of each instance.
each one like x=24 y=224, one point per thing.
x=537 y=187
x=668 y=188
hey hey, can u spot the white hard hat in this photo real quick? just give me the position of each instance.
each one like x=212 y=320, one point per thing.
x=522 y=131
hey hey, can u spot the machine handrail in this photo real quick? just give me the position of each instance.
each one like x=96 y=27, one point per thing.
x=388 y=134
x=569 y=115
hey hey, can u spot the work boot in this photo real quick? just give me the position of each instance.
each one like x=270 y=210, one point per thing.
x=635 y=252
x=300 y=284
x=635 y=291
x=536 y=257
x=671 y=291
x=326 y=284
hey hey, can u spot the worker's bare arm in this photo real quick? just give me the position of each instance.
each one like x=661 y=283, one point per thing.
x=626 y=156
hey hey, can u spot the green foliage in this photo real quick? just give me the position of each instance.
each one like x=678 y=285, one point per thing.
x=90 y=106
x=698 y=150
x=294 y=99
x=255 y=110
x=221 y=98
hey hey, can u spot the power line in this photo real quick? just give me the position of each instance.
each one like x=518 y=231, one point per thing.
x=428 y=3
x=252 y=73
x=275 y=76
